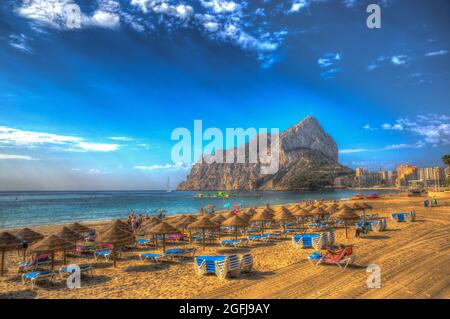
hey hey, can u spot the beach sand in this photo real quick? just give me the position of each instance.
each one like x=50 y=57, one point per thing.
x=413 y=258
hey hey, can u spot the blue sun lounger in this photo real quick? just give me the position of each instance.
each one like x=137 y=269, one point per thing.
x=84 y=268
x=234 y=243
x=102 y=253
x=142 y=242
x=35 y=276
x=306 y=240
x=180 y=253
x=150 y=257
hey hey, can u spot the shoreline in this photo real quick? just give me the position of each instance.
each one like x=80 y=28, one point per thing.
x=93 y=222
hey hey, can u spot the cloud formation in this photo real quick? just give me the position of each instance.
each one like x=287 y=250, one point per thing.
x=23 y=138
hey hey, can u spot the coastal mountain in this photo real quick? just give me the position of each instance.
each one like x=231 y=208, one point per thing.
x=308 y=159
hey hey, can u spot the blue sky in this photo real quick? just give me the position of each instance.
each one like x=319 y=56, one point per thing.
x=94 y=107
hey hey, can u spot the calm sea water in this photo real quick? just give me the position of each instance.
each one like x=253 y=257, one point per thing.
x=41 y=208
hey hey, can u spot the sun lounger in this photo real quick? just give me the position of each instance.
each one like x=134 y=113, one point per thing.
x=228 y=267
x=142 y=242
x=342 y=259
x=180 y=253
x=102 y=253
x=35 y=276
x=151 y=257
x=206 y=264
x=84 y=268
x=234 y=243
x=403 y=217
x=90 y=236
x=246 y=263
x=308 y=241
x=254 y=238
x=315 y=258
x=38 y=261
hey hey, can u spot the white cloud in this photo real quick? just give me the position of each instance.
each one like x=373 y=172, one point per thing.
x=220 y=6
x=19 y=42
x=105 y=19
x=95 y=171
x=350 y=151
x=298 y=5
x=165 y=167
x=399 y=59
x=22 y=137
x=121 y=138
x=15 y=157
x=396 y=127
x=436 y=53
x=12 y=136
x=96 y=147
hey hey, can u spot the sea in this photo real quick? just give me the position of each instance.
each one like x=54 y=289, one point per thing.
x=20 y=209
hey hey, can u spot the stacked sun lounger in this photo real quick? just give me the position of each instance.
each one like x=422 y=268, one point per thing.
x=223 y=266
x=315 y=241
x=403 y=217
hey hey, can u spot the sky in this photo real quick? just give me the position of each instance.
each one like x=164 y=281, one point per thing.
x=91 y=104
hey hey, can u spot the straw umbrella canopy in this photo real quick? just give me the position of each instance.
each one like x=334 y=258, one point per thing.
x=7 y=242
x=218 y=219
x=227 y=215
x=251 y=211
x=29 y=235
x=235 y=221
x=283 y=214
x=331 y=209
x=203 y=223
x=356 y=206
x=163 y=228
x=319 y=211
x=118 y=224
x=116 y=235
x=263 y=217
x=51 y=245
x=344 y=206
x=78 y=228
x=346 y=215
x=301 y=213
x=69 y=235
x=244 y=216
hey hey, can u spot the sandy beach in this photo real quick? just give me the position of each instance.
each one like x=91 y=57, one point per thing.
x=413 y=258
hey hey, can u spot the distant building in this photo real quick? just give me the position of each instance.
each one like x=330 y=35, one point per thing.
x=391 y=177
x=406 y=173
x=432 y=176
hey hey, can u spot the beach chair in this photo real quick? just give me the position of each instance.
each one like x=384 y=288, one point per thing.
x=254 y=238
x=84 y=268
x=342 y=260
x=246 y=263
x=33 y=265
x=35 y=276
x=315 y=258
x=200 y=266
x=410 y=217
x=228 y=267
x=151 y=257
x=102 y=253
x=90 y=236
x=142 y=243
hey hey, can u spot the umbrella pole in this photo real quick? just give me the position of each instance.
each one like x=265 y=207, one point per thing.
x=345 y=223
x=24 y=254
x=53 y=260
x=190 y=236
x=204 y=242
x=65 y=257
x=235 y=228
x=164 y=243
x=3 y=262
x=114 y=255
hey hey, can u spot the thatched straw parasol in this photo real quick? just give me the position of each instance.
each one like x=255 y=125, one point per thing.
x=319 y=211
x=51 y=245
x=7 y=242
x=356 y=206
x=283 y=214
x=78 y=228
x=301 y=213
x=28 y=236
x=163 y=228
x=235 y=221
x=343 y=206
x=117 y=224
x=244 y=216
x=70 y=236
x=203 y=223
x=346 y=215
x=227 y=215
x=263 y=217
x=116 y=235
x=218 y=219
x=251 y=211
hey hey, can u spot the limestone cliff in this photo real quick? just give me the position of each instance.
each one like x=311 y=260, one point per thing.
x=308 y=159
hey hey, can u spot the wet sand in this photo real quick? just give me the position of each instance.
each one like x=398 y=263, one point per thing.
x=413 y=258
